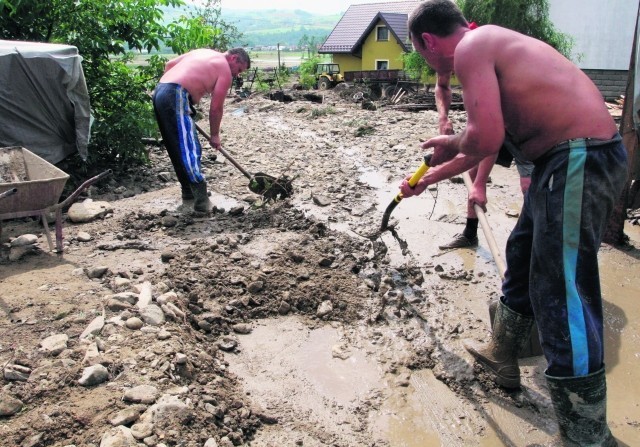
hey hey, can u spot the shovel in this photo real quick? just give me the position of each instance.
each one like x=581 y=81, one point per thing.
x=412 y=182
x=268 y=186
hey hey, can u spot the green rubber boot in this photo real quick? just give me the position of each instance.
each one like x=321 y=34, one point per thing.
x=499 y=357
x=202 y=204
x=580 y=404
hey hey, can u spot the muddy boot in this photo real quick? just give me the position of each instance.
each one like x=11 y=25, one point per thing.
x=460 y=241
x=187 y=194
x=500 y=356
x=202 y=204
x=580 y=404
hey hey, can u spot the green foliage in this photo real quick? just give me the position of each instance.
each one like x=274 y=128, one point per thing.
x=223 y=33
x=105 y=32
x=416 y=67
x=311 y=44
x=530 y=17
x=189 y=33
x=307 y=72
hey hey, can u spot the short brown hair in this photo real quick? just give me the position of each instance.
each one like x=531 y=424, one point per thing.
x=439 y=17
x=241 y=55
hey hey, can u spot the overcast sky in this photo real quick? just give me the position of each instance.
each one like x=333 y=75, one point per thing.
x=314 y=6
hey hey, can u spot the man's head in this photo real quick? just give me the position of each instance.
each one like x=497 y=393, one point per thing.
x=438 y=17
x=239 y=60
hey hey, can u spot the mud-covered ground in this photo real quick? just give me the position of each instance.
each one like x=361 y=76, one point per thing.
x=277 y=324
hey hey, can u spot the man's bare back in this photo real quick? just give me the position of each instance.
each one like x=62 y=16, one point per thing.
x=199 y=72
x=537 y=88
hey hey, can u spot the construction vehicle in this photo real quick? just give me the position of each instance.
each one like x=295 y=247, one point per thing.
x=328 y=76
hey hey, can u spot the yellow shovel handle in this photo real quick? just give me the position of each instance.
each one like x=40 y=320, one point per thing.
x=413 y=181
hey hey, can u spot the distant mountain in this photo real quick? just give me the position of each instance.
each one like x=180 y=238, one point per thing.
x=272 y=26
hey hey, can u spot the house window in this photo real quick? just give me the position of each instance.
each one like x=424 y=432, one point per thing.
x=382 y=65
x=382 y=33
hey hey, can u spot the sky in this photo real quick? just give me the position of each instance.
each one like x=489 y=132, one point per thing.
x=313 y=6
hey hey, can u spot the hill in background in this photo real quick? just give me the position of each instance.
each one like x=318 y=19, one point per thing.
x=271 y=26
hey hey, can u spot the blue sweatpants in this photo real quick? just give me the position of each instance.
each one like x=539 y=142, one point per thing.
x=552 y=262
x=171 y=103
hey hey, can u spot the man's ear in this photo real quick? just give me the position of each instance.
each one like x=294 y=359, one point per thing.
x=428 y=41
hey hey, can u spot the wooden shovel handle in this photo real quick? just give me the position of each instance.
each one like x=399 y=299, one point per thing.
x=486 y=229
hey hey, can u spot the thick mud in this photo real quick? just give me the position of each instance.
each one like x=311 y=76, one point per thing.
x=281 y=323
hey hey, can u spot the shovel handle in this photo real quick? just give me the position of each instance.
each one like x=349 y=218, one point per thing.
x=224 y=152
x=413 y=181
x=486 y=229
x=415 y=178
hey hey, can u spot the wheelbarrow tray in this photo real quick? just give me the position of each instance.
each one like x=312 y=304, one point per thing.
x=39 y=184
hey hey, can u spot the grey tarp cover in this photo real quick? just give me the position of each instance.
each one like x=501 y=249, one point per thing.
x=44 y=103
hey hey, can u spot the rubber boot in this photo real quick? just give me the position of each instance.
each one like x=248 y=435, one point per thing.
x=580 y=404
x=500 y=356
x=202 y=203
x=187 y=194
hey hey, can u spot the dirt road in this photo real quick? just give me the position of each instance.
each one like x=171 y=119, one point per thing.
x=278 y=324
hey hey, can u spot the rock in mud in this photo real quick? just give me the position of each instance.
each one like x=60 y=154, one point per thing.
x=119 y=436
x=94 y=375
x=242 y=328
x=54 y=344
x=9 y=405
x=321 y=200
x=88 y=210
x=142 y=394
x=25 y=239
x=325 y=308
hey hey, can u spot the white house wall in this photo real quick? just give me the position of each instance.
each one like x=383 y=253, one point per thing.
x=603 y=30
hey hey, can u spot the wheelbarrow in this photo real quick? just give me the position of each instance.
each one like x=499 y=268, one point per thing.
x=31 y=186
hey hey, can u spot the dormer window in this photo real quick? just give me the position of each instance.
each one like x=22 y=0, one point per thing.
x=382 y=33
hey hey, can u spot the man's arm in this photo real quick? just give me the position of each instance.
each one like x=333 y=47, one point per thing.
x=443 y=102
x=217 y=106
x=478 y=193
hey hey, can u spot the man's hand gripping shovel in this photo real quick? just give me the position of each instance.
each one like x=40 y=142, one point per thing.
x=422 y=170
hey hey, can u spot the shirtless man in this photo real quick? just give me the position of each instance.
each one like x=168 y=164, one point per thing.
x=521 y=87
x=186 y=80
x=479 y=174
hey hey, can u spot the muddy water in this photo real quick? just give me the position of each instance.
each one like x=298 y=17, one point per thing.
x=621 y=291
x=411 y=417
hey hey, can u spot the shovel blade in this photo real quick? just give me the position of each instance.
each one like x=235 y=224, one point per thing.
x=270 y=187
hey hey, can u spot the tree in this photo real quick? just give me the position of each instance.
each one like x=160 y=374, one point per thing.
x=105 y=33
x=530 y=17
x=203 y=28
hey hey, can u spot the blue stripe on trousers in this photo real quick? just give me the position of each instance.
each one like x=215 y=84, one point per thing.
x=188 y=145
x=571 y=241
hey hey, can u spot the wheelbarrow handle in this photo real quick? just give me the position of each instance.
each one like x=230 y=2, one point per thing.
x=8 y=192
x=69 y=200
x=224 y=152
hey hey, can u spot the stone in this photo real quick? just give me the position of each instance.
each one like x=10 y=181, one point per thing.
x=25 y=239
x=119 y=436
x=134 y=323
x=88 y=210
x=54 y=344
x=94 y=328
x=94 y=375
x=324 y=309
x=143 y=394
x=9 y=405
x=152 y=315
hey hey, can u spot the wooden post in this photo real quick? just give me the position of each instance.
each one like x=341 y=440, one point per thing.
x=614 y=233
